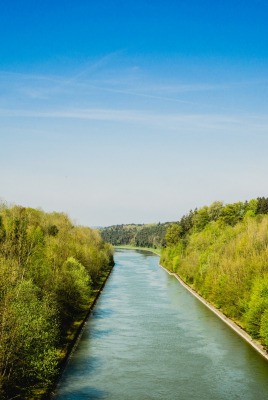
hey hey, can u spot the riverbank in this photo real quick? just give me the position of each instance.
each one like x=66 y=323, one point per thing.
x=240 y=331
x=73 y=337
x=254 y=343
x=128 y=247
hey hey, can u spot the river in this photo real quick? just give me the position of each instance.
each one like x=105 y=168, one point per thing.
x=149 y=338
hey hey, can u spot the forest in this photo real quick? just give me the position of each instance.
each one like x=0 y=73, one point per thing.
x=221 y=251
x=149 y=235
x=49 y=272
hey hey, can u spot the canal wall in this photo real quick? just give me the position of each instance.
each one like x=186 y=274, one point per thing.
x=256 y=345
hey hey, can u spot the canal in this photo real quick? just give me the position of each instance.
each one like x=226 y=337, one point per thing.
x=149 y=338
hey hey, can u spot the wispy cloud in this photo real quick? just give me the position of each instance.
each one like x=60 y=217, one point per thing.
x=42 y=86
x=170 y=121
x=104 y=82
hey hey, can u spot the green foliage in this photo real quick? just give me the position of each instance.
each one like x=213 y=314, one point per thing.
x=258 y=305
x=187 y=222
x=72 y=288
x=264 y=327
x=52 y=230
x=173 y=234
x=201 y=218
x=262 y=205
x=47 y=269
x=223 y=255
x=29 y=330
x=214 y=210
x=231 y=214
x=152 y=236
x=251 y=207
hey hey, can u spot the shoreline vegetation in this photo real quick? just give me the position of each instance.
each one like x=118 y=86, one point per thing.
x=232 y=324
x=76 y=332
x=51 y=273
x=221 y=252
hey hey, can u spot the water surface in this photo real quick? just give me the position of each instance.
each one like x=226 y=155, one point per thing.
x=149 y=338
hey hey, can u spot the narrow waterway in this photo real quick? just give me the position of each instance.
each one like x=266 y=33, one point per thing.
x=149 y=338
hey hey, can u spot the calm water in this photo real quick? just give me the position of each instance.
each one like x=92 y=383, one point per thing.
x=148 y=338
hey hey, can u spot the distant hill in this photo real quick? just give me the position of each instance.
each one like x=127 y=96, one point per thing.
x=148 y=235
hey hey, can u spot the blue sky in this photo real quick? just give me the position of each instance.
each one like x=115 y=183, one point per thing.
x=132 y=111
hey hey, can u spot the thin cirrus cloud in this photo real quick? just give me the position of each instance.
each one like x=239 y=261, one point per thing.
x=107 y=78
x=83 y=88
x=101 y=91
x=42 y=84
x=171 y=121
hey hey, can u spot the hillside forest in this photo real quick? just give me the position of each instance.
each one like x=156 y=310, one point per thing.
x=49 y=269
x=136 y=235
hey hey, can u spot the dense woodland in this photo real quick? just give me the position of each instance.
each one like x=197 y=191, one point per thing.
x=222 y=252
x=48 y=271
x=151 y=235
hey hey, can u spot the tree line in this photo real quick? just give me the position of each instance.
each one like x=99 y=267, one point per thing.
x=48 y=270
x=161 y=235
x=149 y=235
x=222 y=252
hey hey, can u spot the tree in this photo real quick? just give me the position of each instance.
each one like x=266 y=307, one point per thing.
x=214 y=210
x=257 y=306
x=52 y=230
x=231 y=214
x=72 y=288
x=187 y=222
x=201 y=218
x=173 y=234
x=28 y=337
x=262 y=205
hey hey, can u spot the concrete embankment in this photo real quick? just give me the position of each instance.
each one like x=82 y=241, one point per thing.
x=256 y=345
